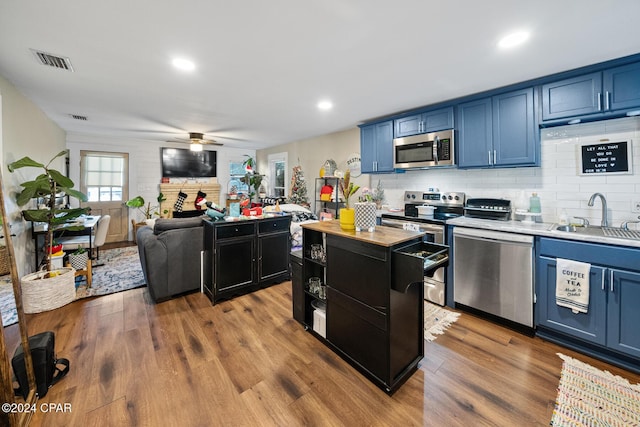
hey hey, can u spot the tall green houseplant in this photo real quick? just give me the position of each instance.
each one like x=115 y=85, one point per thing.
x=48 y=185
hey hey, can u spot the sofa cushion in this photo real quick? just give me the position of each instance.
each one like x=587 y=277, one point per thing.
x=164 y=224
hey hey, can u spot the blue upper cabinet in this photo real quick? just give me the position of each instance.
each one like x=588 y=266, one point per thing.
x=376 y=147
x=428 y=121
x=475 y=134
x=498 y=132
x=622 y=87
x=598 y=95
x=514 y=129
x=572 y=97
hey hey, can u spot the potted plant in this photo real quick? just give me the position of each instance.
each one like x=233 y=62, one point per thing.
x=145 y=208
x=252 y=178
x=347 y=214
x=48 y=185
x=52 y=287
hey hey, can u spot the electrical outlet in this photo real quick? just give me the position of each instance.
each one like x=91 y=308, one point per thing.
x=635 y=206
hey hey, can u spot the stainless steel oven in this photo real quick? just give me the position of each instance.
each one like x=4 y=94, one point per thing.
x=447 y=205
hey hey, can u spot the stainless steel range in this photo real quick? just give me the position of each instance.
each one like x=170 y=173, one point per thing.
x=445 y=206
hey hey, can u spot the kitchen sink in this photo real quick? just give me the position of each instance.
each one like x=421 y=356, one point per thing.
x=619 y=233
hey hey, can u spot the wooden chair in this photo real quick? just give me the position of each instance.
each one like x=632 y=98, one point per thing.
x=85 y=272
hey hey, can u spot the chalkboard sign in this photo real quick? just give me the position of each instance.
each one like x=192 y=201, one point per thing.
x=606 y=157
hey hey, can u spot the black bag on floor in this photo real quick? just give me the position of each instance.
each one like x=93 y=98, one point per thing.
x=45 y=365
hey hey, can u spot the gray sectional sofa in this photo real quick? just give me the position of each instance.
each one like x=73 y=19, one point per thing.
x=170 y=256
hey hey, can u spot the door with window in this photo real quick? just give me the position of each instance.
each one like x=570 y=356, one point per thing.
x=103 y=178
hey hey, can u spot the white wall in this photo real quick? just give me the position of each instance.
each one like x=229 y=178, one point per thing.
x=145 y=168
x=556 y=181
x=26 y=131
x=313 y=152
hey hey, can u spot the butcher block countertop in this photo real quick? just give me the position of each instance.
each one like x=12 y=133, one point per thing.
x=382 y=236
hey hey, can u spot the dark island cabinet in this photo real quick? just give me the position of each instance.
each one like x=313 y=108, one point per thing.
x=243 y=256
x=609 y=329
x=371 y=322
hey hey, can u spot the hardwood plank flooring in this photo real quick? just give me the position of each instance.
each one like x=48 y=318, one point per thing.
x=246 y=362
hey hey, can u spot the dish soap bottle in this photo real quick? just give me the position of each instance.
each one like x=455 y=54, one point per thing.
x=534 y=203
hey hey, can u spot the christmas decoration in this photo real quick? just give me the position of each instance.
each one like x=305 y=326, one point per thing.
x=199 y=198
x=181 y=198
x=298 y=193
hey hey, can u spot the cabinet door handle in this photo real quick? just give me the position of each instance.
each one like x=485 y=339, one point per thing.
x=611 y=280
x=494 y=157
x=599 y=101
x=606 y=100
x=603 y=281
x=489 y=152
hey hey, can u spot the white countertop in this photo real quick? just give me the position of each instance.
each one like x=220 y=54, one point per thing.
x=538 y=229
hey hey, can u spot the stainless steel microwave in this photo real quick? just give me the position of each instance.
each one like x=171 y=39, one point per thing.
x=424 y=151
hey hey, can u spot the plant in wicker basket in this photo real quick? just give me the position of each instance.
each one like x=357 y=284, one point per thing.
x=48 y=185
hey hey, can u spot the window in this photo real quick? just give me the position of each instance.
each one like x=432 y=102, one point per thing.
x=236 y=173
x=278 y=174
x=103 y=176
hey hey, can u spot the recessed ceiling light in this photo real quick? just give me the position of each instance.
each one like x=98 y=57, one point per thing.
x=513 y=39
x=183 y=64
x=325 y=105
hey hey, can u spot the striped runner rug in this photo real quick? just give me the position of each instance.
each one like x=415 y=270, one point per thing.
x=588 y=396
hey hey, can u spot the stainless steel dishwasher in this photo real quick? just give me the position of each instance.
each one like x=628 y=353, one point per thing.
x=493 y=273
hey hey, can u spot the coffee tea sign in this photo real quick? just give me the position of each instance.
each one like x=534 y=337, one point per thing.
x=606 y=157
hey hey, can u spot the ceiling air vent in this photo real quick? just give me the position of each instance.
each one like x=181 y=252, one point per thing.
x=53 y=60
x=78 y=117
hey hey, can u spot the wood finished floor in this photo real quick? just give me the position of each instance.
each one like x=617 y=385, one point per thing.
x=246 y=362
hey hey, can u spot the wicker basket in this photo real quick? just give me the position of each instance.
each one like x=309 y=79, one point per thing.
x=40 y=294
x=5 y=265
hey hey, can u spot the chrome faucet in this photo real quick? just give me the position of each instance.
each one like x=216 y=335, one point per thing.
x=604 y=222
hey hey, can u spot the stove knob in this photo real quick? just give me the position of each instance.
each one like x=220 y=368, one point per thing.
x=413 y=196
x=457 y=197
x=450 y=198
x=444 y=197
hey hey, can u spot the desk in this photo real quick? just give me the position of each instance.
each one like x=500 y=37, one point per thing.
x=40 y=229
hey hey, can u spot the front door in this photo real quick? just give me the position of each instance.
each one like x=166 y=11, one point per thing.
x=103 y=178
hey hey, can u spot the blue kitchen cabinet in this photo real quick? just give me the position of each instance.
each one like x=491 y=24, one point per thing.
x=428 y=121
x=376 y=147
x=475 y=134
x=624 y=312
x=573 y=97
x=622 y=87
x=589 y=326
x=607 y=93
x=498 y=131
x=612 y=319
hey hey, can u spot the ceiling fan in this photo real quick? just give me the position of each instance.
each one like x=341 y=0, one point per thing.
x=196 y=141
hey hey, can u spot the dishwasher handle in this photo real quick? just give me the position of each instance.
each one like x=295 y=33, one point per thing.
x=499 y=236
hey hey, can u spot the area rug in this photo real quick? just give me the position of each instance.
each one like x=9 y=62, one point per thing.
x=436 y=320
x=117 y=270
x=588 y=396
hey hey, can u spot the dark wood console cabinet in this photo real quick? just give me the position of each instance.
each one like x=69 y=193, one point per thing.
x=243 y=256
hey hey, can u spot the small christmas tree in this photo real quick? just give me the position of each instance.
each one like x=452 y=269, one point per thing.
x=298 y=193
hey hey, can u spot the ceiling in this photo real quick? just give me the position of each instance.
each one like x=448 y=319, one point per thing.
x=262 y=67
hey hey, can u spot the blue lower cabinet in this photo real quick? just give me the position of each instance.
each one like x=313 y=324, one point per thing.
x=623 y=323
x=590 y=326
x=610 y=325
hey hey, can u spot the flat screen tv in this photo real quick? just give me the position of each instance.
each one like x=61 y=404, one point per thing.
x=184 y=163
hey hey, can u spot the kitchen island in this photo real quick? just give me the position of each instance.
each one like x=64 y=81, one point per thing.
x=373 y=309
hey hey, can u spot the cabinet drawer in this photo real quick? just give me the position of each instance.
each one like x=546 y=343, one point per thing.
x=234 y=230
x=273 y=225
x=354 y=329
x=610 y=256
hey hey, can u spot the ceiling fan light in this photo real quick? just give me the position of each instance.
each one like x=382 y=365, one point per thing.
x=194 y=146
